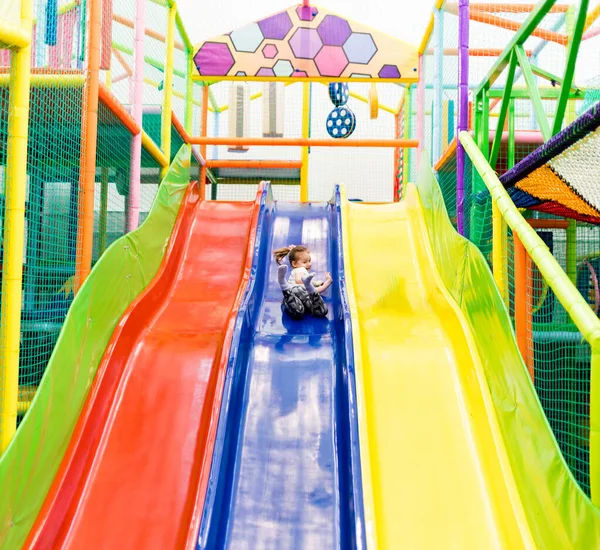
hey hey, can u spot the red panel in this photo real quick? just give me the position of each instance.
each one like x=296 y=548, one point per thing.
x=558 y=209
x=135 y=472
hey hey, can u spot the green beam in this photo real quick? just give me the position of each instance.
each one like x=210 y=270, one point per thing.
x=510 y=145
x=183 y=33
x=506 y=100
x=545 y=93
x=538 y=107
x=148 y=60
x=529 y=25
x=570 y=68
x=485 y=123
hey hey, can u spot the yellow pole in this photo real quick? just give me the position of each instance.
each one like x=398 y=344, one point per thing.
x=168 y=99
x=305 y=132
x=14 y=233
x=498 y=238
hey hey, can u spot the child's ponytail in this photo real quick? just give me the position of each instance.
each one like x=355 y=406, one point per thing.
x=281 y=253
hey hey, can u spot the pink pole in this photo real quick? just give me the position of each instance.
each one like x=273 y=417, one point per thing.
x=133 y=201
x=420 y=111
x=306 y=3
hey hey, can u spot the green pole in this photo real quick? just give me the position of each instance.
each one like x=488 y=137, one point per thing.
x=506 y=100
x=538 y=106
x=574 y=43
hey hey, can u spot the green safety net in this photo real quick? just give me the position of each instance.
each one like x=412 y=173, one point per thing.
x=31 y=461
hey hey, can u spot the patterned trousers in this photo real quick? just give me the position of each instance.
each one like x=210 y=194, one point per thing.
x=297 y=301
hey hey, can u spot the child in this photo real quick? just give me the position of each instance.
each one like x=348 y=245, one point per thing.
x=300 y=294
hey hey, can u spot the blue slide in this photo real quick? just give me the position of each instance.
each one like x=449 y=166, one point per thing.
x=286 y=465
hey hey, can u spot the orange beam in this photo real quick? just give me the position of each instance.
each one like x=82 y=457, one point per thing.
x=477 y=52
x=204 y=132
x=514 y=8
x=149 y=32
x=89 y=131
x=450 y=150
x=523 y=306
x=254 y=164
x=121 y=59
x=548 y=224
x=117 y=109
x=304 y=142
x=501 y=22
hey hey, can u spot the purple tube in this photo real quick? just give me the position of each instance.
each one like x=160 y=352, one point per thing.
x=463 y=108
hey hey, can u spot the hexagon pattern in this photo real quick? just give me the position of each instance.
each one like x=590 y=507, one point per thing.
x=360 y=48
x=265 y=71
x=389 y=71
x=247 y=39
x=277 y=26
x=306 y=43
x=214 y=59
x=270 y=51
x=334 y=30
x=307 y=13
x=283 y=68
x=331 y=61
x=304 y=35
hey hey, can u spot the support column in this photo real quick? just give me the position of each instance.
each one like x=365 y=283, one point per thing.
x=463 y=109
x=305 y=134
x=89 y=137
x=14 y=232
x=133 y=200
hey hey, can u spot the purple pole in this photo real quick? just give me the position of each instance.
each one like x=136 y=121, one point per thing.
x=463 y=108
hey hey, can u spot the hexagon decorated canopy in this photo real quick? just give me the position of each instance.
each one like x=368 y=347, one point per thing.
x=309 y=44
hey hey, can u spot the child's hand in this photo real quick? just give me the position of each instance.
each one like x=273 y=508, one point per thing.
x=328 y=278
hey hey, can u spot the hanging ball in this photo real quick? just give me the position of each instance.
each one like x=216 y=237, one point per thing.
x=339 y=93
x=341 y=123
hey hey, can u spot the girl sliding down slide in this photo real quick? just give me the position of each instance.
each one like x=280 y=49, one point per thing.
x=300 y=294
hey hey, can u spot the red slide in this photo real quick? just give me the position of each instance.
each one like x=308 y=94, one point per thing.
x=135 y=472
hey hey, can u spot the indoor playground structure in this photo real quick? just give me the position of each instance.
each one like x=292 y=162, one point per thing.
x=154 y=394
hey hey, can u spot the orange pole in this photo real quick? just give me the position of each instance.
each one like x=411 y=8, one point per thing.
x=89 y=131
x=494 y=20
x=204 y=132
x=149 y=32
x=548 y=224
x=304 y=142
x=121 y=59
x=523 y=306
x=254 y=164
x=514 y=8
x=117 y=109
x=477 y=52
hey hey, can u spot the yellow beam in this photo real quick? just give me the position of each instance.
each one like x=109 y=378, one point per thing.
x=14 y=233
x=366 y=100
x=49 y=80
x=154 y=150
x=591 y=17
x=292 y=80
x=13 y=36
x=426 y=36
x=305 y=135
x=168 y=89
x=151 y=82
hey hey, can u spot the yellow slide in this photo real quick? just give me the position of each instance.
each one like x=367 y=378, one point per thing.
x=455 y=449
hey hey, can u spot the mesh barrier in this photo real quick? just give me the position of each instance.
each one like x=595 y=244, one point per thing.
x=327 y=166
